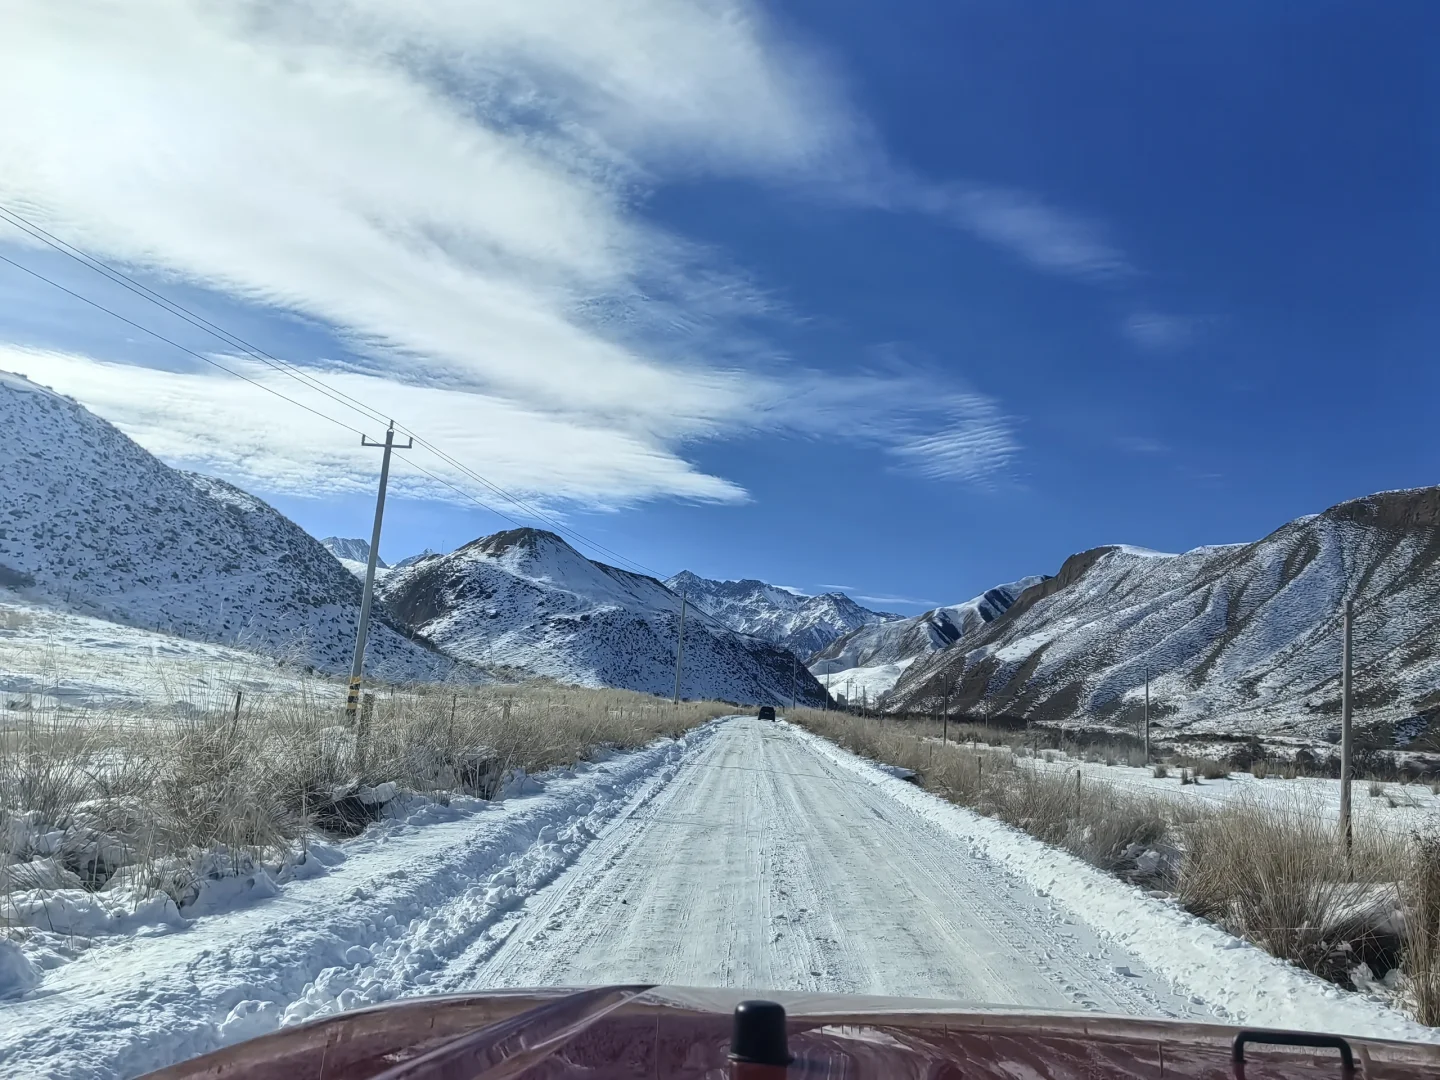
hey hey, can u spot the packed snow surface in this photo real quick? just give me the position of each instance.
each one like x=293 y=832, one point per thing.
x=745 y=854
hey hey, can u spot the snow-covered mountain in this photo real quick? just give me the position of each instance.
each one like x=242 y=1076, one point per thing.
x=1238 y=639
x=93 y=522
x=528 y=600
x=905 y=640
x=802 y=624
x=354 y=555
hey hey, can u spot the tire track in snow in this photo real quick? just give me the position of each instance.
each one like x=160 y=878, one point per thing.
x=764 y=865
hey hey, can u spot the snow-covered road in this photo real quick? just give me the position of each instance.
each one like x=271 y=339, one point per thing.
x=763 y=864
x=744 y=854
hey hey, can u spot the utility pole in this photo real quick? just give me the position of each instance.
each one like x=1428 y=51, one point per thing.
x=680 y=645
x=945 y=730
x=1147 y=714
x=794 y=666
x=357 y=666
x=1345 y=704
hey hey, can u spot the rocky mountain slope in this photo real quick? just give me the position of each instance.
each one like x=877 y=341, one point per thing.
x=526 y=599
x=92 y=522
x=909 y=639
x=802 y=624
x=1238 y=639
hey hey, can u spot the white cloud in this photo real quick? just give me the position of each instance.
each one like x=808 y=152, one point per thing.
x=211 y=421
x=903 y=601
x=453 y=185
x=1140 y=444
x=977 y=444
x=1048 y=238
x=1152 y=330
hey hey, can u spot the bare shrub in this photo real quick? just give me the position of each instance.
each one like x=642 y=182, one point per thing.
x=1279 y=876
x=1259 y=770
x=1160 y=771
x=1206 y=768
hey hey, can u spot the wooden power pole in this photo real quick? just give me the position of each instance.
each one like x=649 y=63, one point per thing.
x=1147 y=715
x=357 y=666
x=1345 y=733
x=680 y=646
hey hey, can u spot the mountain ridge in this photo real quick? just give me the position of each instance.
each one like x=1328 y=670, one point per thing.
x=1240 y=637
x=801 y=623
x=525 y=599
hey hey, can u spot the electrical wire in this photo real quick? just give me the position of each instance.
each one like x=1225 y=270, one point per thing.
x=124 y=280
x=143 y=291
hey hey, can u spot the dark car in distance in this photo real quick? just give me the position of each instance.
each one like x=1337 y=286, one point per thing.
x=767 y=712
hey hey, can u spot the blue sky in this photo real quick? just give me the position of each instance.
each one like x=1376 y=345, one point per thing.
x=908 y=298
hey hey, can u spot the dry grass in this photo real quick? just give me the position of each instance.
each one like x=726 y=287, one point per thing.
x=82 y=801
x=1421 y=895
x=1280 y=877
x=1086 y=818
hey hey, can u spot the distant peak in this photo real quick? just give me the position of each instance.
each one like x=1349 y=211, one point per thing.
x=352 y=548
x=523 y=539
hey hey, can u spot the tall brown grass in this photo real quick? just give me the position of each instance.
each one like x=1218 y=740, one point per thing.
x=252 y=783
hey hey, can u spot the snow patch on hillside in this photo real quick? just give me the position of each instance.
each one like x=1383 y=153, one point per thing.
x=96 y=525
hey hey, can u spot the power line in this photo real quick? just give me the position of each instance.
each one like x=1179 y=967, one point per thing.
x=122 y=279
x=119 y=277
x=178 y=310
x=189 y=352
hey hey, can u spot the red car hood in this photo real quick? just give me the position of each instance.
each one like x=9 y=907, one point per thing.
x=678 y=1032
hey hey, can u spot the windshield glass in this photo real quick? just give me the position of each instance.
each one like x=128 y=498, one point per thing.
x=919 y=501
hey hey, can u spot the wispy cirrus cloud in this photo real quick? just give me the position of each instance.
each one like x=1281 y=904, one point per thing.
x=899 y=601
x=1157 y=331
x=1042 y=235
x=975 y=445
x=1140 y=444
x=453 y=190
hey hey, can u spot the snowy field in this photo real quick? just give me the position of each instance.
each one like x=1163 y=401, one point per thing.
x=743 y=854
x=1397 y=807
x=870 y=681
x=51 y=659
